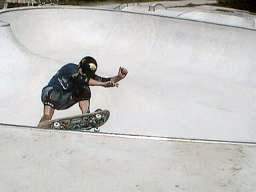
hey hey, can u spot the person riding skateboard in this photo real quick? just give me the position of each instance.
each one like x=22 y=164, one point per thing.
x=71 y=85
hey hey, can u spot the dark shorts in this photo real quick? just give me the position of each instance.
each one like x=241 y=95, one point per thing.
x=60 y=100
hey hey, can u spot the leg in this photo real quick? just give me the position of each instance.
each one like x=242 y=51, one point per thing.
x=47 y=116
x=50 y=97
x=83 y=96
x=84 y=106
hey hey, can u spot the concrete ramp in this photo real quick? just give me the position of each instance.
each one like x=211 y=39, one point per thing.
x=186 y=79
x=21 y=71
x=207 y=14
x=45 y=161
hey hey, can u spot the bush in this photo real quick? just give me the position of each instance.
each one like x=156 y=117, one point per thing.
x=249 y=5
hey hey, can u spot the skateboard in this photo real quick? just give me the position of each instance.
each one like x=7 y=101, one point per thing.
x=86 y=122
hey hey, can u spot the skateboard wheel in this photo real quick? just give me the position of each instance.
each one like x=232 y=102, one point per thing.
x=97 y=129
x=98 y=116
x=56 y=125
x=98 y=110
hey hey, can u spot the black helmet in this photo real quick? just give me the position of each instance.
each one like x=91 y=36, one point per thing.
x=88 y=65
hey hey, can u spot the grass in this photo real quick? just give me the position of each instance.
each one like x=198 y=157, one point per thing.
x=248 y=5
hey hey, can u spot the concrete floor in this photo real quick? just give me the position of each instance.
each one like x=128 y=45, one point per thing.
x=46 y=161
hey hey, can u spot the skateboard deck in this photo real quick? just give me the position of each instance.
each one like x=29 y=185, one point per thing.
x=86 y=122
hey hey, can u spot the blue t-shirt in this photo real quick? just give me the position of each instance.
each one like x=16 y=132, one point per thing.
x=67 y=80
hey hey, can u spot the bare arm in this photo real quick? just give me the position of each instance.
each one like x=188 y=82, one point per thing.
x=108 y=82
x=115 y=79
x=93 y=82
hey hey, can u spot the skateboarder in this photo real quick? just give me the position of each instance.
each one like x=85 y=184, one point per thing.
x=70 y=85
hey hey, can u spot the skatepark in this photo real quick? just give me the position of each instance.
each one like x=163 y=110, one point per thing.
x=182 y=120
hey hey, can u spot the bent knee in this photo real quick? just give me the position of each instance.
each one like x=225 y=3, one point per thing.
x=50 y=96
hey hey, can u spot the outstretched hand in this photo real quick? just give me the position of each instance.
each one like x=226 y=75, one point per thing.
x=114 y=80
x=122 y=72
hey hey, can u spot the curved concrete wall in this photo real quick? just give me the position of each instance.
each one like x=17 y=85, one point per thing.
x=186 y=79
x=207 y=14
x=52 y=161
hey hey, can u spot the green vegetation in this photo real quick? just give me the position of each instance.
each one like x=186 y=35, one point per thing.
x=84 y=2
x=249 y=5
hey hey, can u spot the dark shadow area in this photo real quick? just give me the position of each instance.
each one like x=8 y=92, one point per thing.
x=248 y=5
